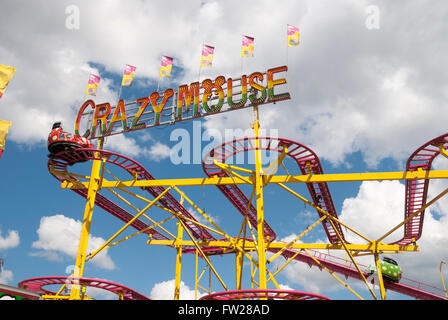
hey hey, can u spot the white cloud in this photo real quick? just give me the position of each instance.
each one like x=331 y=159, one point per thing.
x=284 y=287
x=311 y=278
x=372 y=91
x=101 y=294
x=124 y=145
x=159 y=151
x=6 y=276
x=97 y=293
x=379 y=206
x=60 y=235
x=201 y=219
x=10 y=241
x=353 y=89
x=165 y=291
x=49 y=255
x=129 y=147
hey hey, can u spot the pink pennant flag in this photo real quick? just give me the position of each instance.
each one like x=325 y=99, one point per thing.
x=166 y=65
x=92 y=85
x=293 y=36
x=248 y=46
x=128 y=75
x=207 y=56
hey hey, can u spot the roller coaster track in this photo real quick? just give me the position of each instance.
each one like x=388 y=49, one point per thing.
x=345 y=267
x=307 y=161
x=60 y=162
x=417 y=190
x=406 y=286
x=263 y=293
x=38 y=284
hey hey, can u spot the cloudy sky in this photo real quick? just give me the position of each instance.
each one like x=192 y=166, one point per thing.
x=367 y=86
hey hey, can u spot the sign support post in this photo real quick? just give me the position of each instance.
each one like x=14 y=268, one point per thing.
x=259 y=199
x=94 y=185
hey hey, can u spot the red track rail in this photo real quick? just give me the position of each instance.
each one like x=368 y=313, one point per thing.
x=406 y=286
x=263 y=293
x=305 y=158
x=417 y=190
x=38 y=284
x=67 y=158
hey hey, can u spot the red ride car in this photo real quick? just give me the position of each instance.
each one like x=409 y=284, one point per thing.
x=59 y=140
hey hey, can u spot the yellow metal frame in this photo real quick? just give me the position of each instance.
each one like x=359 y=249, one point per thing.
x=243 y=249
x=94 y=185
x=441 y=276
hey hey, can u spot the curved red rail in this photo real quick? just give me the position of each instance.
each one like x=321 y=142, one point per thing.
x=37 y=285
x=305 y=158
x=263 y=293
x=417 y=190
x=406 y=286
x=67 y=158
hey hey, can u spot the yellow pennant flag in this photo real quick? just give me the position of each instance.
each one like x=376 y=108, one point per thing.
x=128 y=75
x=207 y=56
x=248 y=46
x=293 y=36
x=166 y=66
x=6 y=74
x=4 y=127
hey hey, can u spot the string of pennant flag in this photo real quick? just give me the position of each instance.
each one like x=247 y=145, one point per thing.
x=293 y=40
x=7 y=72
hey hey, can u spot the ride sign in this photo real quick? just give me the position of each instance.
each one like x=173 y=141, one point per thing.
x=189 y=102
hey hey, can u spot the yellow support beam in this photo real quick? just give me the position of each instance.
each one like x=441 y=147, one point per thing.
x=330 y=217
x=380 y=247
x=260 y=205
x=270 y=171
x=198 y=248
x=335 y=276
x=285 y=264
x=234 y=242
x=289 y=244
x=441 y=276
x=133 y=235
x=196 y=277
x=94 y=185
x=178 y=246
x=380 y=276
x=331 y=177
x=436 y=198
x=129 y=223
x=239 y=269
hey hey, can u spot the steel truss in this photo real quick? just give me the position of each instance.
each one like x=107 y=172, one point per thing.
x=256 y=241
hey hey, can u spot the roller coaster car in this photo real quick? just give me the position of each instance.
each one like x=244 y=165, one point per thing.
x=390 y=270
x=59 y=140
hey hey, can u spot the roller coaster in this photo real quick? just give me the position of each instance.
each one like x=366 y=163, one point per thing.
x=114 y=179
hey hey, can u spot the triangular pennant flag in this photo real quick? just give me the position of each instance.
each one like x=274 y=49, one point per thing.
x=6 y=74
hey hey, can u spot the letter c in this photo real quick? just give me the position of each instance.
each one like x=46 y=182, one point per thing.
x=78 y=118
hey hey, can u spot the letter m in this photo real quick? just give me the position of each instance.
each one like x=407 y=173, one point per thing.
x=188 y=94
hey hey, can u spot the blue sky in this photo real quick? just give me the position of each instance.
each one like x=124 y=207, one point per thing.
x=363 y=97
